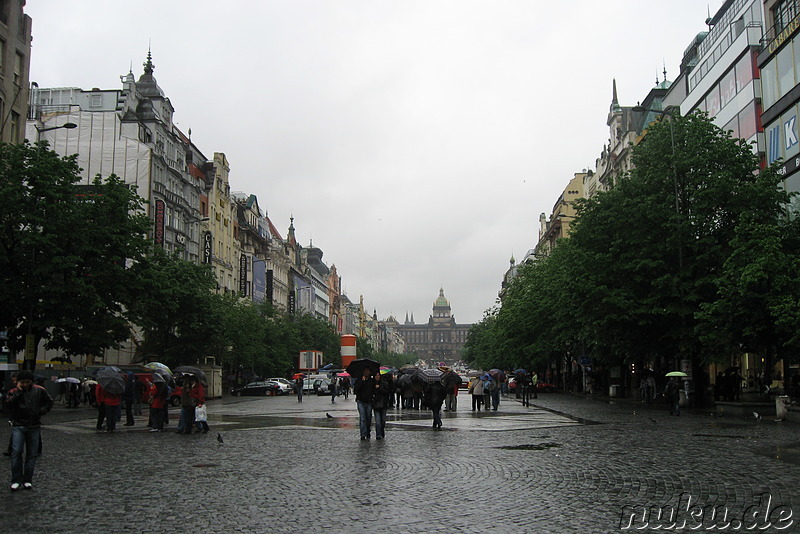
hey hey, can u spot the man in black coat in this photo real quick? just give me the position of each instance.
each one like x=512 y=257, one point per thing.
x=27 y=403
x=434 y=395
x=364 y=390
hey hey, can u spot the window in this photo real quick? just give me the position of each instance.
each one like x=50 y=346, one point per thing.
x=96 y=101
x=786 y=80
x=783 y=14
x=727 y=87
x=774 y=144
x=744 y=72
x=712 y=102
x=769 y=84
x=733 y=126
x=19 y=60
x=14 y=127
x=747 y=122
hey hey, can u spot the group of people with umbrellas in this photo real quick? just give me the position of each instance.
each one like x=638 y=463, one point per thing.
x=375 y=387
x=113 y=387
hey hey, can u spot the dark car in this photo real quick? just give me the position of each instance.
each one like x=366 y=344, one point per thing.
x=261 y=388
x=545 y=387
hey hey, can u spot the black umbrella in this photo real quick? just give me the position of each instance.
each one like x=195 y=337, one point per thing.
x=451 y=379
x=356 y=367
x=428 y=376
x=497 y=374
x=111 y=380
x=194 y=371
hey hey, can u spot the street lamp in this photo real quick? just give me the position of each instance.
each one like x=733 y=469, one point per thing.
x=66 y=126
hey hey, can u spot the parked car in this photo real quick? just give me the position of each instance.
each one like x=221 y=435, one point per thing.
x=261 y=388
x=175 y=397
x=287 y=387
x=320 y=386
x=545 y=387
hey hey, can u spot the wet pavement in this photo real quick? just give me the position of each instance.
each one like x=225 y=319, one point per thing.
x=565 y=464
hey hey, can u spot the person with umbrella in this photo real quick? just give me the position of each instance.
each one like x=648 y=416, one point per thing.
x=27 y=403
x=192 y=395
x=672 y=393
x=158 y=399
x=364 y=390
x=381 y=398
x=434 y=395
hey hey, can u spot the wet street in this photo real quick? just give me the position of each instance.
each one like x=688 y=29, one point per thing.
x=566 y=464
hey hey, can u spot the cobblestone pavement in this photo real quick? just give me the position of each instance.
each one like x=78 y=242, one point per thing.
x=565 y=464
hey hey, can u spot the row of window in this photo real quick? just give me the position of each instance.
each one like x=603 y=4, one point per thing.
x=781 y=74
x=736 y=79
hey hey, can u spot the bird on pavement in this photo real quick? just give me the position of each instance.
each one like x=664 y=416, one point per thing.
x=219 y=438
x=329 y=416
x=757 y=416
x=653 y=420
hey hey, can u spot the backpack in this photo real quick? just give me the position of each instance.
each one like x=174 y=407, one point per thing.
x=489 y=386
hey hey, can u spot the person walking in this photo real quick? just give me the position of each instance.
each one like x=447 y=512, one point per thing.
x=381 y=398
x=158 y=398
x=191 y=395
x=298 y=387
x=475 y=389
x=672 y=393
x=434 y=395
x=128 y=397
x=364 y=390
x=200 y=410
x=27 y=403
x=534 y=384
x=332 y=387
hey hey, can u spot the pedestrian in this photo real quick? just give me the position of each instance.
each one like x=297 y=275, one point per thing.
x=111 y=408
x=476 y=390
x=298 y=387
x=364 y=390
x=190 y=397
x=534 y=384
x=672 y=393
x=158 y=398
x=332 y=388
x=200 y=411
x=644 y=390
x=128 y=397
x=451 y=400
x=99 y=394
x=434 y=395
x=380 y=401
x=489 y=386
x=27 y=403
x=523 y=388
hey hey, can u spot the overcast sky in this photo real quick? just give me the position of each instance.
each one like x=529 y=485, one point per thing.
x=415 y=142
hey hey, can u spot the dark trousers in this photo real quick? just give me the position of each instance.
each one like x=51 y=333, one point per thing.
x=128 y=413
x=101 y=415
x=477 y=402
x=187 y=414
x=157 y=418
x=112 y=414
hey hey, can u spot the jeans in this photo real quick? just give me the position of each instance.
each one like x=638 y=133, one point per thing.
x=364 y=418
x=495 y=399
x=27 y=438
x=187 y=419
x=380 y=422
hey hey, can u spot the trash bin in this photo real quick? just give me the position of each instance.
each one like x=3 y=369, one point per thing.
x=781 y=406
x=613 y=391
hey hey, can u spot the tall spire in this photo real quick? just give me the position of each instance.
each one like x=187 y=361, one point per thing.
x=290 y=237
x=614 y=100
x=148 y=65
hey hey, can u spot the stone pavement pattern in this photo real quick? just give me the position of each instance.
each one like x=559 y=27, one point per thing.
x=566 y=464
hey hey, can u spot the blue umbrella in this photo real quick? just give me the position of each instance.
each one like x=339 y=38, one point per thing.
x=520 y=372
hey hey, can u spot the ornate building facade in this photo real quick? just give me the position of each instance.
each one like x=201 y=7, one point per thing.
x=440 y=340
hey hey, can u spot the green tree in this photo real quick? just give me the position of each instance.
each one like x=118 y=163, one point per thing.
x=63 y=251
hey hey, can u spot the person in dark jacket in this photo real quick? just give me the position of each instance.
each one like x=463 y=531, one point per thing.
x=129 y=396
x=381 y=399
x=364 y=390
x=27 y=403
x=434 y=396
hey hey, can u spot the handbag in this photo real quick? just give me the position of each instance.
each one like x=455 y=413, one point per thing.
x=200 y=413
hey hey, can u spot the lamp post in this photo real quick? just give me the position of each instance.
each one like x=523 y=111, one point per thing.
x=29 y=358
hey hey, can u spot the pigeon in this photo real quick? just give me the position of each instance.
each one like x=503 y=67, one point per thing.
x=329 y=416
x=653 y=420
x=219 y=438
x=757 y=416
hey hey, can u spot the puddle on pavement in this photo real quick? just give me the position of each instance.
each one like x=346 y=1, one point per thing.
x=205 y=465
x=789 y=453
x=533 y=447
